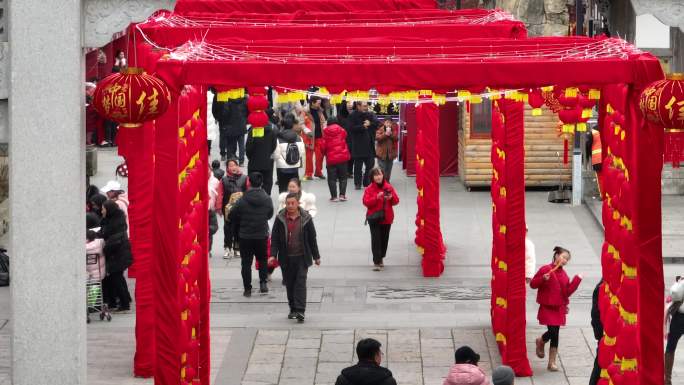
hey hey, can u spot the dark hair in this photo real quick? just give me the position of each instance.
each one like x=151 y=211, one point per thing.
x=256 y=179
x=215 y=163
x=466 y=355
x=97 y=200
x=558 y=251
x=367 y=348
x=376 y=171
x=291 y=195
x=288 y=121
x=314 y=99
x=91 y=235
x=118 y=52
x=234 y=160
x=112 y=208
x=333 y=120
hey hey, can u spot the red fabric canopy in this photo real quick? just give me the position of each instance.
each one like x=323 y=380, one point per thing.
x=281 y=6
x=500 y=63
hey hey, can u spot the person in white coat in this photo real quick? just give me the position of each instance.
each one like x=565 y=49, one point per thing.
x=288 y=153
x=212 y=125
x=675 y=315
x=530 y=258
x=307 y=201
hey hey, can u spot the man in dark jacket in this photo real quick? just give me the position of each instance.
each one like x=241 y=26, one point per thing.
x=368 y=371
x=293 y=242
x=252 y=212
x=261 y=142
x=232 y=119
x=362 y=125
x=344 y=110
x=598 y=330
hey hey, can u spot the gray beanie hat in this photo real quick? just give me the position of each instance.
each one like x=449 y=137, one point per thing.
x=503 y=375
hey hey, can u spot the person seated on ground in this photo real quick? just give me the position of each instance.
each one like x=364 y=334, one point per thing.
x=368 y=371
x=503 y=375
x=465 y=371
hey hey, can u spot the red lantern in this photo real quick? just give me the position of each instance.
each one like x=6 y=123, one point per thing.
x=536 y=101
x=662 y=103
x=131 y=97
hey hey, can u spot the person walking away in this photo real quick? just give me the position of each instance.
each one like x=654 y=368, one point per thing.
x=675 y=315
x=334 y=148
x=288 y=153
x=293 y=243
x=213 y=187
x=503 y=375
x=379 y=198
x=117 y=251
x=253 y=211
x=261 y=142
x=386 y=139
x=307 y=201
x=530 y=257
x=232 y=118
x=363 y=126
x=344 y=110
x=319 y=120
x=232 y=186
x=553 y=296
x=368 y=370
x=114 y=192
x=597 y=327
x=217 y=170
x=212 y=125
x=465 y=371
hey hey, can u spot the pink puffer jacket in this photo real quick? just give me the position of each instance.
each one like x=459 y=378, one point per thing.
x=96 y=271
x=466 y=374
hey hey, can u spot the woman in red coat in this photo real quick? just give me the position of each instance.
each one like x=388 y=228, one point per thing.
x=334 y=148
x=553 y=297
x=379 y=195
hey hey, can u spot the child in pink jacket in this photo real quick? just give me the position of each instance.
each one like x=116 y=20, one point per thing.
x=95 y=271
x=466 y=371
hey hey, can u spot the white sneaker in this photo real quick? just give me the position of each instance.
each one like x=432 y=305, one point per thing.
x=227 y=253
x=236 y=253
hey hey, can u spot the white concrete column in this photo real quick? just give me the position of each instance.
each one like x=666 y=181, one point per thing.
x=47 y=192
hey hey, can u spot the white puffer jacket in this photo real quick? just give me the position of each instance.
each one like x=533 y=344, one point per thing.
x=284 y=139
x=307 y=201
x=677 y=293
x=212 y=125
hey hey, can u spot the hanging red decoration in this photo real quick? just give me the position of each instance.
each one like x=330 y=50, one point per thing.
x=662 y=102
x=131 y=97
x=257 y=104
x=536 y=101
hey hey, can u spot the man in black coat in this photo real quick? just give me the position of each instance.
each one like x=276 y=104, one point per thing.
x=252 y=212
x=232 y=119
x=261 y=142
x=293 y=242
x=368 y=371
x=344 y=110
x=363 y=125
x=598 y=330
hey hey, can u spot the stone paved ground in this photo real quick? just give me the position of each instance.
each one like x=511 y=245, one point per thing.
x=419 y=320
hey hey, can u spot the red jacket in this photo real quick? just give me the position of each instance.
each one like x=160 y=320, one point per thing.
x=373 y=203
x=557 y=290
x=334 y=145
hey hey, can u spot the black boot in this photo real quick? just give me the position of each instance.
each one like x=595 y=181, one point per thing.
x=263 y=288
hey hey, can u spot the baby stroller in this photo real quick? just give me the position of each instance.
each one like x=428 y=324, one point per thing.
x=94 y=302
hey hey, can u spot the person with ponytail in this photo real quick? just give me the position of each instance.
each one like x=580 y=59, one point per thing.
x=553 y=296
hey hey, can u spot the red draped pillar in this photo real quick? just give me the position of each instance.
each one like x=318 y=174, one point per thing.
x=140 y=144
x=428 y=233
x=508 y=227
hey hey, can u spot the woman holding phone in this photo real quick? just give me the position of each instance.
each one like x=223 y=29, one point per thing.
x=379 y=197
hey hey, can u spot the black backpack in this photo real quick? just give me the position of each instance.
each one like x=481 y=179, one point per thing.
x=292 y=154
x=4 y=268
